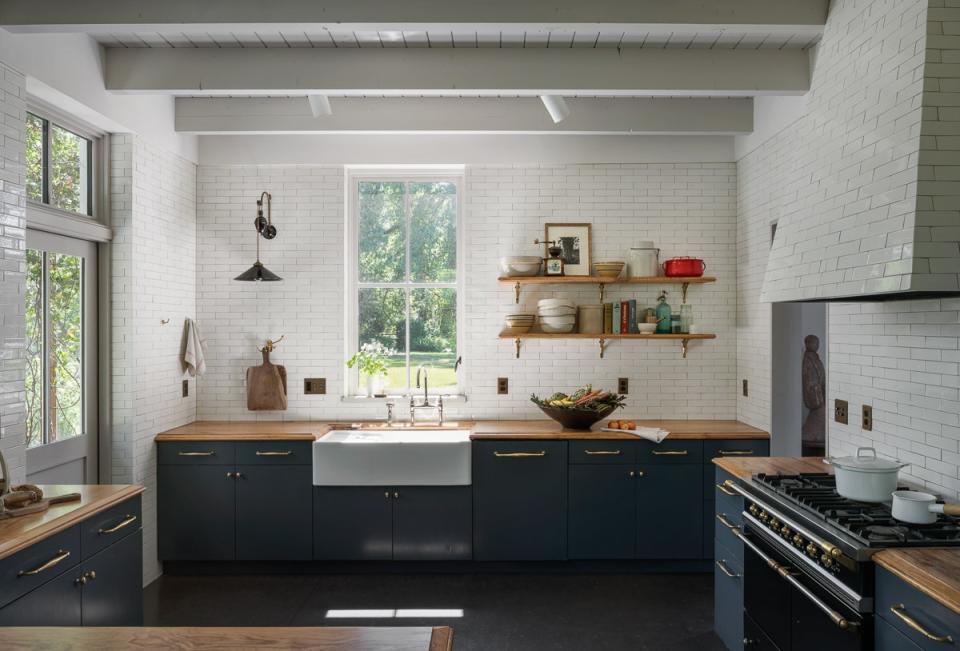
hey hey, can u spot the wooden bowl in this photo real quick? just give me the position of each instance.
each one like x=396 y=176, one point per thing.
x=578 y=419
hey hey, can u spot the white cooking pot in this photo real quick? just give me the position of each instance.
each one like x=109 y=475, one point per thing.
x=866 y=477
x=916 y=507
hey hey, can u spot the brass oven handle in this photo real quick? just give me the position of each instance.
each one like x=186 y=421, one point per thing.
x=56 y=560
x=898 y=610
x=735 y=452
x=839 y=620
x=722 y=517
x=726 y=570
x=208 y=453
x=517 y=455
x=127 y=521
x=601 y=453
x=262 y=453
x=670 y=453
x=725 y=488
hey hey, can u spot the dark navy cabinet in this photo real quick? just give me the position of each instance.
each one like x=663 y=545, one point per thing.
x=602 y=512
x=728 y=615
x=55 y=603
x=669 y=511
x=520 y=500
x=922 y=621
x=380 y=523
x=112 y=584
x=222 y=501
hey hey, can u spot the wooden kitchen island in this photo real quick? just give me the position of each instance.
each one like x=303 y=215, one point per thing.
x=439 y=638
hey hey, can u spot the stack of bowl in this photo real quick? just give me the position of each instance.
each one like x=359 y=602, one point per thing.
x=557 y=315
x=520 y=265
x=517 y=324
x=608 y=269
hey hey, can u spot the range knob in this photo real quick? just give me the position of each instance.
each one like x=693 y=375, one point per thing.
x=812 y=550
x=826 y=561
x=798 y=540
x=754 y=510
x=785 y=531
x=775 y=524
x=764 y=518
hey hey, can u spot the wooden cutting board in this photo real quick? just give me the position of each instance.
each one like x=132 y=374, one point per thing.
x=266 y=386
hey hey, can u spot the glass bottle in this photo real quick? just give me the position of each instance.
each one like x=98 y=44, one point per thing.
x=663 y=314
x=686 y=318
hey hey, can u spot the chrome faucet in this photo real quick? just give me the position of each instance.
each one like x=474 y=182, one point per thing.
x=426 y=399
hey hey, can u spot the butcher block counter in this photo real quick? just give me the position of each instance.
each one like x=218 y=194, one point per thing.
x=541 y=429
x=228 y=639
x=21 y=532
x=934 y=572
x=746 y=467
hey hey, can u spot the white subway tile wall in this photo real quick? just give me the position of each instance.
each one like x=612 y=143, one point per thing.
x=154 y=255
x=13 y=204
x=687 y=209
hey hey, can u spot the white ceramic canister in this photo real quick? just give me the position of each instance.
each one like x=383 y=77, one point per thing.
x=644 y=260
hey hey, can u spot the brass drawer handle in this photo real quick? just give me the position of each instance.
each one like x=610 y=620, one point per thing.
x=725 y=521
x=724 y=488
x=518 y=455
x=208 y=453
x=603 y=453
x=670 y=453
x=729 y=453
x=726 y=570
x=127 y=521
x=262 y=453
x=898 y=610
x=56 y=560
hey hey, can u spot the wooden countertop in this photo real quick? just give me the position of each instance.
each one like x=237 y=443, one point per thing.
x=21 y=532
x=746 y=467
x=934 y=572
x=482 y=429
x=325 y=638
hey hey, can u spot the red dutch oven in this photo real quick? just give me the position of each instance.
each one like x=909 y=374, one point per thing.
x=689 y=267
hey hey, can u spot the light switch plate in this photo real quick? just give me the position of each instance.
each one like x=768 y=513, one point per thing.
x=840 y=411
x=867 y=418
x=314 y=386
x=503 y=386
x=623 y=385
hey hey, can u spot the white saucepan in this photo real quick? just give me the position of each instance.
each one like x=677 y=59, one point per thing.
x=920 y=508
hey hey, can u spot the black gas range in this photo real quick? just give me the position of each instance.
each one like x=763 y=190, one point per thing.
x=809 y=548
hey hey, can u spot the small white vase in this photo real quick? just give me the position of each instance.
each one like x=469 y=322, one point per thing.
x=375 y=385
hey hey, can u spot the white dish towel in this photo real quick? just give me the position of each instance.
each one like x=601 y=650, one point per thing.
x=193 y=350
x=650 y=433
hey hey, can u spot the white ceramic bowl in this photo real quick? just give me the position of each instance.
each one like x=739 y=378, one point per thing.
x=555 y=302
x=520 y=266
x=558 y=320
x=556 y=329
x=517 y=329
x=557 y=311
x=646 y=328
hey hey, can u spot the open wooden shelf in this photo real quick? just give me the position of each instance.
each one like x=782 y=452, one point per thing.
x=602 y=339
x=602 y=281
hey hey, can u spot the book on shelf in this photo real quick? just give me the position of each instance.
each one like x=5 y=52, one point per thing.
x=624 y=317
x=615 y=319
x=608 y=318
x=632 y=319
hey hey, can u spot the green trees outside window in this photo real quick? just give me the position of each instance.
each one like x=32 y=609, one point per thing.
x=58 y=166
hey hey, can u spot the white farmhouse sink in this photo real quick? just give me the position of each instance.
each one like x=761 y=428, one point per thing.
x=392 y=458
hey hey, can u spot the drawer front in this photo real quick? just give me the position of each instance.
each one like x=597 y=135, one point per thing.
x=887 y=638
x=56 y=603
x=274 y=453
x=736 y=448
x=723 y=537
x=196 y=453
x=37 y=564
x=603 y=452
x=728 y=599
x=731 y=505
x=900 y=604
x=107 y=527
x=680 y=451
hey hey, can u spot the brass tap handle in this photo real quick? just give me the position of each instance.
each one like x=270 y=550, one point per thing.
x=127 y=521
x=56 y=560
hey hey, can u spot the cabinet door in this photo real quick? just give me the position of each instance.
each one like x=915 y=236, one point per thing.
x=669 y=511
x=728 y=600
x=520 y=506
x=55 y=603
x=432 y=523
x=274 y=511
x=113 y=591
x=352 y=523
x=195 y=512
x=602 y=512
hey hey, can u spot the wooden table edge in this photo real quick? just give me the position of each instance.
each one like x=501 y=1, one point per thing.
x=441 y=639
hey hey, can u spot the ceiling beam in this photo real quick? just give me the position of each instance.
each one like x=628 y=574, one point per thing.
x=454 y=71
x=261 y=115
x=128 y=15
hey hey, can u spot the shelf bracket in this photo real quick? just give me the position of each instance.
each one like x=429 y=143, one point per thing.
x=603 y=343
x=683 y=293
x=516 y=342
x=601 y=296
x=683 y=346
x=516 y=293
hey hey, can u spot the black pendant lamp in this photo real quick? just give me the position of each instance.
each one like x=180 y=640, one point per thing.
x=267 y=231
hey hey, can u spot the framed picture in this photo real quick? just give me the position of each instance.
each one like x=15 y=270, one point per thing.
x=574 y=243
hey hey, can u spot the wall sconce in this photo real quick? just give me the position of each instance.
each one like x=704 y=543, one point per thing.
x=268 y=231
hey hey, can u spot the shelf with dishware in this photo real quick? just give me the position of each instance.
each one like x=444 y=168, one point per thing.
x=518 y=282
x=604 y=339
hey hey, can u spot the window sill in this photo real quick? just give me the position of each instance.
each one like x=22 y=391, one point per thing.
x=455 y=397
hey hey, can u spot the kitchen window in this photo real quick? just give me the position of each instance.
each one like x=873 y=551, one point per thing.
x=405 y=277
x=59 y=166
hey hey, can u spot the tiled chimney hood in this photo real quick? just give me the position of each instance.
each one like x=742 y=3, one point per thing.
x=867 y=182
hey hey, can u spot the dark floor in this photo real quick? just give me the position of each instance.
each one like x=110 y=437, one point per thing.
x=501 y=612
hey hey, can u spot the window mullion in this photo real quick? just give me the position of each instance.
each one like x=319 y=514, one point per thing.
x=407 y=279
x=45 y=163
x=45 y=346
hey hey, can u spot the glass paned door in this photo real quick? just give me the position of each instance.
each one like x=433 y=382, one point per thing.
x=61 y=358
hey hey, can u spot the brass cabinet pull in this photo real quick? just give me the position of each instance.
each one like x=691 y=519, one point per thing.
x=518 y=455
x=262 y=453
x=127 y=521
x=56 y=560
x=602 y=453
x=670 y=453
x=726 y=570
x=729 y=453
x=725 y=521
x=723 y=488
x=898 y=610
x=208 y=453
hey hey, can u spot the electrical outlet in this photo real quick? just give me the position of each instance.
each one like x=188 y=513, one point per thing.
x=868 y=418
x=840 y=411
x=185 y=389
x=623 y=385
x=746 y=392
x=503 y=386
x=313 y=386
